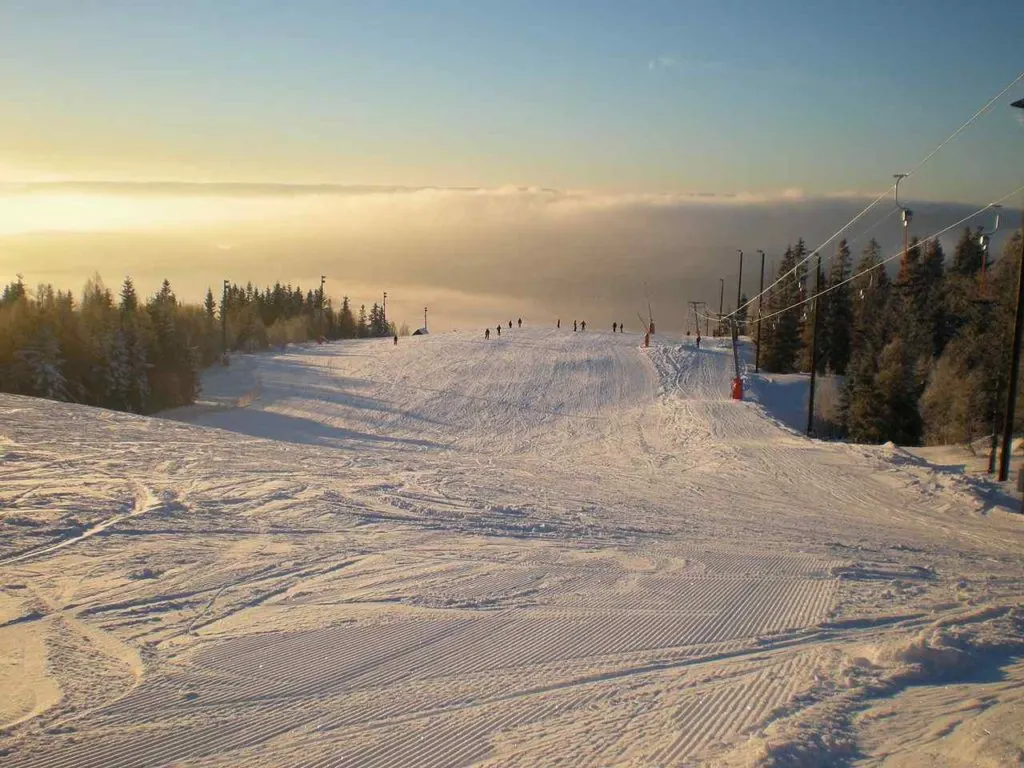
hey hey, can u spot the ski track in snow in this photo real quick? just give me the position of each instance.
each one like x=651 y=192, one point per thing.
x=545 y=549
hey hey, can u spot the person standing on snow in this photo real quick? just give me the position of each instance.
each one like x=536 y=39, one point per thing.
x=583 y=325
x=614 y=327
x=574 y=326
x=698 y=341
x=487 y=333
x=510 y=325
x=622 y=328
x=520 y=322
x=396 y=339
x=559 y=323
x=499 y=329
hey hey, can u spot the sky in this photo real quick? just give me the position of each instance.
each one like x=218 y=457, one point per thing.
x=472 y=115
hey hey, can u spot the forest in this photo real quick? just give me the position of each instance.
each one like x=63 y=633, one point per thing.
x=921 y=357
x=129 y=354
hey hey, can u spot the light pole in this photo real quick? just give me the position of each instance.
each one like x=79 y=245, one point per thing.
x=721 y=306
x=224 y=325
x=1011 y=389
x=323 y=279
x=739 y=284
x=760 y=302
x=905 y=216
x=814 y=347
x=985 y=302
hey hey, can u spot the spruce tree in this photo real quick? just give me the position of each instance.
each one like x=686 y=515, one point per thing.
x=862 y=403
x=362 y=328
x=781 y=352
x=838 y=313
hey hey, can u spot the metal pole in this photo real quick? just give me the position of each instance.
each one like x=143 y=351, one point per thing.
x=814 y=349
x=385 y=310
x=721 y=306
x=1011 y=390
x=760 y=303
x=424 y=318
x=224 y=323
x=739 y=283
x=323 y=279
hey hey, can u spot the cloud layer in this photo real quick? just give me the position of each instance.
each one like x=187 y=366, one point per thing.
x=474 y=255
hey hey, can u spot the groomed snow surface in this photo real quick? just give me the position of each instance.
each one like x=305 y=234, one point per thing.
x=548 y=549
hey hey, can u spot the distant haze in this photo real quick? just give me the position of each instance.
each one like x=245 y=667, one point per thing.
x=475 y=257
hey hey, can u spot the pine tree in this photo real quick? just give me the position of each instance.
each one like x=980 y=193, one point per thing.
x=968 y=255
x=862 y=403
x=837 y=313
x=362 y=328
x=346 y=322
x=129 y=299
x=783 y=342
x=898 y=388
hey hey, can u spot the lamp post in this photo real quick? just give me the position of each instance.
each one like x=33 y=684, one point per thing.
x=760 y=302
x=985 y=302
x=323 y=279
x=1011 y=389
x=224 y=325
x=739 y=284
x=721 y=306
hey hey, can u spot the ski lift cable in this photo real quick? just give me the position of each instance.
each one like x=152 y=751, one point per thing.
x=884 y=194
x=873 y=227
x=896 y=255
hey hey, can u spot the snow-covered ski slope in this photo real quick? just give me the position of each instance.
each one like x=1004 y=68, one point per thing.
x=548 y=549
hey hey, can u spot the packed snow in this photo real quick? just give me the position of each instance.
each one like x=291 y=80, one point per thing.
x=549 y=548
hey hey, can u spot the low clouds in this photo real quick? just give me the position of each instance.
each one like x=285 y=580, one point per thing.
x=474 y=255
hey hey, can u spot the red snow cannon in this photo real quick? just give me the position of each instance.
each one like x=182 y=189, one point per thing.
x=737 y=388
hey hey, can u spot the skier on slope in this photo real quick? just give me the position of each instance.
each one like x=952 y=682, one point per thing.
x=510 y=325
x=583 y=325
x=520 y=322
x=396 y=339
x=499 y=329
x=615 y=327
x=574 y=326
x=698 y=340
x=487 y=333
x=559 y=323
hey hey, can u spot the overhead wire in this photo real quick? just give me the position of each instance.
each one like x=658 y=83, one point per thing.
x=886 y=260
x=884 y=194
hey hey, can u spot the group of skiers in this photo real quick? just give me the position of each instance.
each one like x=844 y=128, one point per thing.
x=577 y=325
x=487 y=331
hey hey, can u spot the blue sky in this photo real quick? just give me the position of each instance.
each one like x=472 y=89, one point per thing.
x=719 y=97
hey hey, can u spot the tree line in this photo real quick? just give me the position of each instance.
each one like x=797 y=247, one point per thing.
x=922 y=355
x=129 y=354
